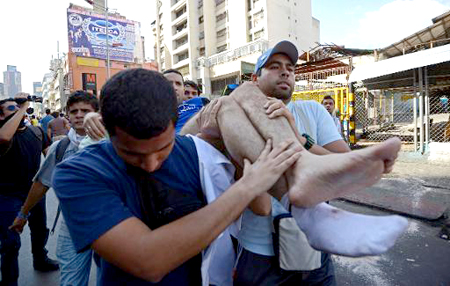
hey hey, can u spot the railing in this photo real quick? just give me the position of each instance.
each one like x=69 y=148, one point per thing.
x=229 y=56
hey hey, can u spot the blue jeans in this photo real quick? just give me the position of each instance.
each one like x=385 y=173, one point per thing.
x=75 y=267
x=38 y=231
x=9 y=240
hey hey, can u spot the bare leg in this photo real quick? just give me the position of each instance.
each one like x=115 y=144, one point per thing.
x=318 y=178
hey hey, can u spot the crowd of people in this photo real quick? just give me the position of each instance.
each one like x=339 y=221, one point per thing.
x=158 y=185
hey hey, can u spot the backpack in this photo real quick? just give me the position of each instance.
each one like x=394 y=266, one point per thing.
x=60 y=150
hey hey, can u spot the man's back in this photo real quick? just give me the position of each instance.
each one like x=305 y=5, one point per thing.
x=45 y=121
x=20 y=161
x=58 y=126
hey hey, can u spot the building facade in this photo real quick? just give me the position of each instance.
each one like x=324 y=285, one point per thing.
x=2 y=91
x=12 y=79
x=217 y=42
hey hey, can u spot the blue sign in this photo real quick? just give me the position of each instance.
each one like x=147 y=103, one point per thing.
x=87 y=36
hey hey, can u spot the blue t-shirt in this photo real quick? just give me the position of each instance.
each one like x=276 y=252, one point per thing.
x=188 y=109
x=44 y=122
x=96 y=193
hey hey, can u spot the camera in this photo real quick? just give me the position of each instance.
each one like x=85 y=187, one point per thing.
x=33 y=98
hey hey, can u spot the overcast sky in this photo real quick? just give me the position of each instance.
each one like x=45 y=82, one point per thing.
x=31 y=28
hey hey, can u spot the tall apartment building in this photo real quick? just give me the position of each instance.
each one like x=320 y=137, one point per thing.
x=217 y=42
x=2 y=91
x=12 y=79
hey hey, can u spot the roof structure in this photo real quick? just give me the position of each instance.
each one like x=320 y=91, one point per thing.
x=435 y=35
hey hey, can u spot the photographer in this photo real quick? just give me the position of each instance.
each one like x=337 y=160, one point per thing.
x=20 y=156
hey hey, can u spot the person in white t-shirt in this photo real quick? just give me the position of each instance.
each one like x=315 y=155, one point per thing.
x=329 y=104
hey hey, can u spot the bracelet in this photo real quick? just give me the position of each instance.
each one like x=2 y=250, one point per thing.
x=309 y=141
x=23 y=216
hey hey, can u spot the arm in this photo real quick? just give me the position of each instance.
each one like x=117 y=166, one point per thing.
x=37 y=192
x=8 y=130
x=338 y=146
x=66 y=124
x=151 y=254
x=93 y=126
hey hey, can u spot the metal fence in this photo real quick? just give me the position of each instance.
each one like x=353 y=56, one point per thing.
x=381 y=114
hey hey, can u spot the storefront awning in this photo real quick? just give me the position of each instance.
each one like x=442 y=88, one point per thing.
x=401 y=63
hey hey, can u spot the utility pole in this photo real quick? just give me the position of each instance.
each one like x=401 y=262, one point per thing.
x=107 y=41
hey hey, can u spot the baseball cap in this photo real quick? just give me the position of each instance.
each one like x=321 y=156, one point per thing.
x=283 y=47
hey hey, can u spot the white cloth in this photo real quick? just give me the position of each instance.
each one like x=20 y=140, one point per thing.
x=216 y=176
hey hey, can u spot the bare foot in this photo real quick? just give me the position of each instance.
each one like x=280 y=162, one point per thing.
x=322 y=178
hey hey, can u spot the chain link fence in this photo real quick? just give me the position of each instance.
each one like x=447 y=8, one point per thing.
x=382 y=114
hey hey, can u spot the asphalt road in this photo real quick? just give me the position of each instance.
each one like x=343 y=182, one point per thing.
x=420 y=257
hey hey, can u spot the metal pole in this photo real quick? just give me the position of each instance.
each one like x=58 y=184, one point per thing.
x=158 y=32
x=415 y=112
x=427 y=110
x=107 y=41
x=421 y=110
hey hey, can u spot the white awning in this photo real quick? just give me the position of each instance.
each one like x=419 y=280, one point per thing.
x=401 y=63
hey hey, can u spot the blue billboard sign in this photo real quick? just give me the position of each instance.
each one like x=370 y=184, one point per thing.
x=87 y=36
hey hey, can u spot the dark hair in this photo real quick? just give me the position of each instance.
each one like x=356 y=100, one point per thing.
x=328 y=97
x=192 y=84
x=82 y=96
x=174 y=71
x=55 y=114
x=47 y=111
x=140 y=102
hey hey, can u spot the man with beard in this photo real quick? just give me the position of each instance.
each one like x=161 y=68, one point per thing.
x=20 y=157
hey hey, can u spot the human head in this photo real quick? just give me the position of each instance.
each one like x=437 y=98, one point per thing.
x=47 y=111
x=7 y=108
x=55 y=114
x=78 y=105
x=139 y=110
x=328 y=103
x=176 y=78
x=191 y=89
x=274 y=71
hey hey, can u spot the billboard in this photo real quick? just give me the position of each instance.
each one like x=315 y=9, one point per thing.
x=87 y=36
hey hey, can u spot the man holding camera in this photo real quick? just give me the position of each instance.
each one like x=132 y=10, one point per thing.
x=20 y=157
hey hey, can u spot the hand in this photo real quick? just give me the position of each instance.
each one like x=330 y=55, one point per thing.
x=93 y=126
x=23 y=95
x=271 y=164
x=276 y=108
x=207 y=121
x=18 y=224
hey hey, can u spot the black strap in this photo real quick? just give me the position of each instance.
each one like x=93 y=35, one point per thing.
x=60 y=150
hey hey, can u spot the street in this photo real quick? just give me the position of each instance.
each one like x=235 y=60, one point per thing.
x=420 y=256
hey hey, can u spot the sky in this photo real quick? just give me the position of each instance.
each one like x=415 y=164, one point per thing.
x=30 y=29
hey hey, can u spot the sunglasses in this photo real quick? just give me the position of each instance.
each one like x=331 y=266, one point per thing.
x=12 y=107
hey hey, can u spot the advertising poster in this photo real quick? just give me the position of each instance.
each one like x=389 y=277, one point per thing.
x=87 y=36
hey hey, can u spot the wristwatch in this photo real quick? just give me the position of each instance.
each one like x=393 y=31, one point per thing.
x=309 y=141
x=21 y=215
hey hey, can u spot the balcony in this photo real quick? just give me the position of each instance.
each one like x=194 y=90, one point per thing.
x=259 y=46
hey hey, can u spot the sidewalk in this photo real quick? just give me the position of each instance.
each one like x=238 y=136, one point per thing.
x=416 y=187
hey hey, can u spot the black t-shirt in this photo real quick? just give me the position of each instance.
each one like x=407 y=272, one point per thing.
x=19 y=161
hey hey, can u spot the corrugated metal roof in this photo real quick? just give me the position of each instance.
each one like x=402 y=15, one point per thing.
x=438 y=34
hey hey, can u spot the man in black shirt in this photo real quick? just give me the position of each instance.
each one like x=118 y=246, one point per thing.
x=20 y=157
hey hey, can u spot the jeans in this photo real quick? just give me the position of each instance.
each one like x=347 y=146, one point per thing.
x=75 y=267
x=38 y=230
x=9 y=240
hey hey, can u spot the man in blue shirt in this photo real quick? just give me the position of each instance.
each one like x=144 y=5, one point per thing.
x=137 y=200
x=44 y=121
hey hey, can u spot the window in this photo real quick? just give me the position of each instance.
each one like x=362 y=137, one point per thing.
x=202 y=52
x=259 y=34
x=218 y=2
x=258 y=18
x=181 y=42
x=222 y=33
x=183 y=56
x=222 y=48
x=180 y=12
x=221 y=16
x=249 y=5
x=250 y=38
x=200 y=19
x=201 y=35
x=181 y=27
x=249 y=22
x=200 y=4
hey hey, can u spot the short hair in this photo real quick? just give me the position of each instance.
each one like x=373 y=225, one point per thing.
x=192 y=84
x=55 y=114
x=140 y=102
x=47 y=111
x=82 y=96
x=328 y=97
x=174 y=71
